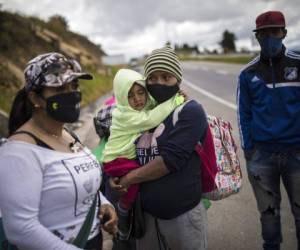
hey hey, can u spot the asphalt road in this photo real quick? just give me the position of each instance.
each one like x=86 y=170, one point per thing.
x=234 y=221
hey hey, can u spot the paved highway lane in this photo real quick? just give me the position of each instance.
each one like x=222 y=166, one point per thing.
x=217 y=78
x=233 y=222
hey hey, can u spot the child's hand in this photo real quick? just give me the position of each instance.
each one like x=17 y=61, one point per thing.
x=181 y=92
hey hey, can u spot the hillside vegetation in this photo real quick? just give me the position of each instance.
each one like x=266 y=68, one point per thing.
x=22 y=38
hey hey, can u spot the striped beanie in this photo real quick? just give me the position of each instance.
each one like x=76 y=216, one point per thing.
x=164 y=59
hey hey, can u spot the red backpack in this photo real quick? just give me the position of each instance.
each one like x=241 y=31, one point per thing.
x=221 y=172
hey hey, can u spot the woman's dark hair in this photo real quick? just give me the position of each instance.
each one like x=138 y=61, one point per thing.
x=21 y=111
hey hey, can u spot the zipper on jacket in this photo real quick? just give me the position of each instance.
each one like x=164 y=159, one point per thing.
x=272 y=72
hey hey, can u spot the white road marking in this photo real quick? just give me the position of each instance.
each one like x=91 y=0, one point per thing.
x=222 y=72
x=210 y=95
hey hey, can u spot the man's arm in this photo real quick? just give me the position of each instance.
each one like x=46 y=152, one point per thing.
x=244 y=115
x=151 y=171
x=188 y=131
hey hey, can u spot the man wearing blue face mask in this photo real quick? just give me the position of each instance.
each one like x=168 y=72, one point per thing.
x=268 y=98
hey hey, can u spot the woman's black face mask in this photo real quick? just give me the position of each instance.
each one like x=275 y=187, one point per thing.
x=64 y=107
x=162 y=93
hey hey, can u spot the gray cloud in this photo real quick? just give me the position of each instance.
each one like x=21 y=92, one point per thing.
x=125 y=24
x=124 y=17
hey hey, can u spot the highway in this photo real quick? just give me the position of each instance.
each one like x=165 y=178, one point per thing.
x=233 y=222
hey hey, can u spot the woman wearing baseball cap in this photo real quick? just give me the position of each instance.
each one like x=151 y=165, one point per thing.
x=49 y=181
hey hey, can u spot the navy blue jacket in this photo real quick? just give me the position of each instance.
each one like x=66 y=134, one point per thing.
x=268 y=99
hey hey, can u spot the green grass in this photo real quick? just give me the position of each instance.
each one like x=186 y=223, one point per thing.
x=7 y=96
x=9 y=85
x=224 y=59
x=93 y=89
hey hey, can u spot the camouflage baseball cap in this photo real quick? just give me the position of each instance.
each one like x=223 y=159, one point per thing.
x=52 y=70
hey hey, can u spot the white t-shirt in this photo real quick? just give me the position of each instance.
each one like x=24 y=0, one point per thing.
x=45 y=195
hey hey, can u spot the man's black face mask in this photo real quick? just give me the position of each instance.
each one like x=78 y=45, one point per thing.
x=162 y=93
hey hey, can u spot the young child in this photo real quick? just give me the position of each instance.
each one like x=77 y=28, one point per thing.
x=135 y=112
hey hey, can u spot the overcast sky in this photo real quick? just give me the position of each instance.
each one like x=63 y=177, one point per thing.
x=135 y=27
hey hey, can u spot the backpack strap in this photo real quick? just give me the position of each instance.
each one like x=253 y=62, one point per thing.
x=83 y=235
x=41 y=143
x=73 y=134
x=38 y=141
x=177 y=111
x=4 y=244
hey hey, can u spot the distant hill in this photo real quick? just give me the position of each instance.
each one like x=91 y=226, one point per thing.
x=24 y=37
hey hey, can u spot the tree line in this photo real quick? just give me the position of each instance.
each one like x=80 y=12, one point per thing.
x=227 y=44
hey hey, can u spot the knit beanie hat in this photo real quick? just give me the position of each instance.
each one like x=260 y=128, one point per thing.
x=163 y=59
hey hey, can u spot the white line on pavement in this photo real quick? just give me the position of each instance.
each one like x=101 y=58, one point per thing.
x=222 y=72
x=210 y=95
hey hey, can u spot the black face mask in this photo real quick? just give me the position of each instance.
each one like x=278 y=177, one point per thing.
x=64 y=107
x=162 y=92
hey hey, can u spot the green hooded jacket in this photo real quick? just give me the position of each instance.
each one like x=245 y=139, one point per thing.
x=127 y=123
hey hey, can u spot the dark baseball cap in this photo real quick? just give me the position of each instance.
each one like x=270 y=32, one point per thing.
x=52 y=70
x=270 y=19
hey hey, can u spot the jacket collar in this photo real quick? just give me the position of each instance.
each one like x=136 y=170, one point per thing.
x=274 y=59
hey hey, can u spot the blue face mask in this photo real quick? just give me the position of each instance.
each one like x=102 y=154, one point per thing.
x=270 y=46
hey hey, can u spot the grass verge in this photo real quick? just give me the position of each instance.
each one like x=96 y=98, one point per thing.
x=6 y=98
x=100 y=85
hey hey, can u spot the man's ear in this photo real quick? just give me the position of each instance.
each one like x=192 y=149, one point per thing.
x=284 y=33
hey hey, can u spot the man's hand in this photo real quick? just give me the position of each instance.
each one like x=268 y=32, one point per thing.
x=116 y=185
x=108 y=218
x=124 y=182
